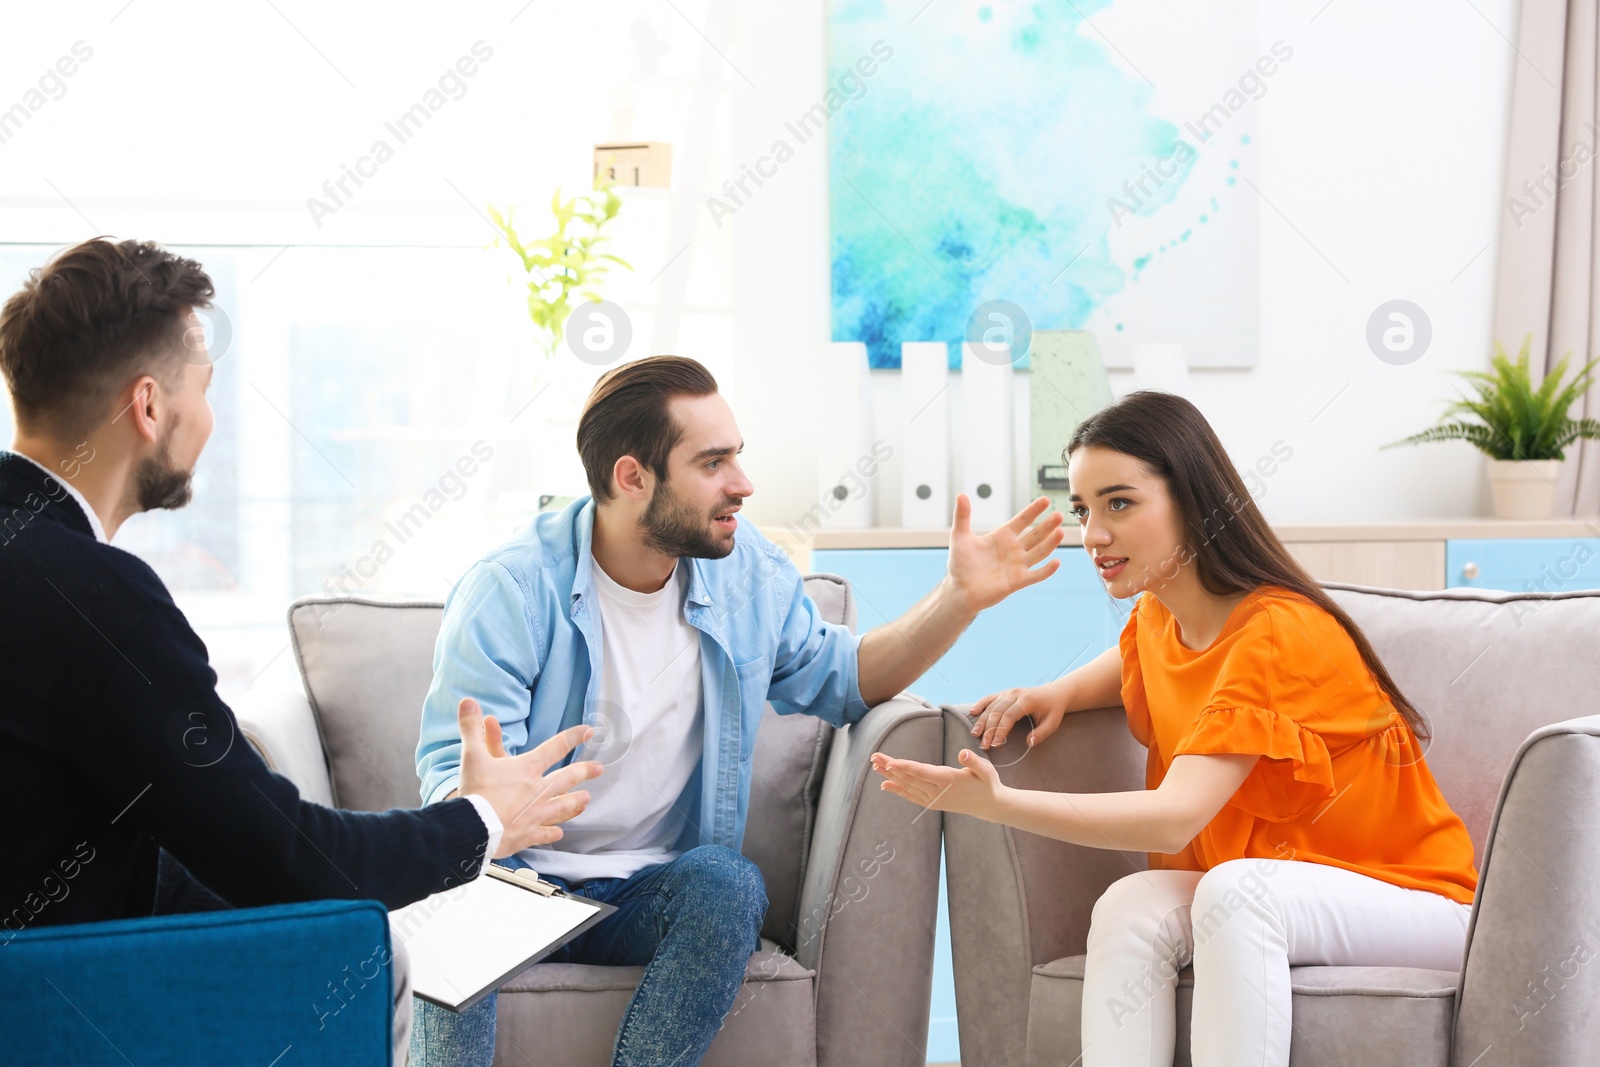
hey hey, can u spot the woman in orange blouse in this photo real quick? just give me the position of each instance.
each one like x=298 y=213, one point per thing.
x=1289 y=813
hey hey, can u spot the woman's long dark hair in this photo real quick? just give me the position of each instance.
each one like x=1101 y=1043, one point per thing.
x=1234 y=550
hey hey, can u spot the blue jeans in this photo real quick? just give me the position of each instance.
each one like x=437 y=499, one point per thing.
x=692 y=923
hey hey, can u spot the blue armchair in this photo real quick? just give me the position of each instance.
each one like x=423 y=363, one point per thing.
x=291 y=984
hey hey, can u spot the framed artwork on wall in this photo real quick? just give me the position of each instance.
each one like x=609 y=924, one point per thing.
x=1061 y=165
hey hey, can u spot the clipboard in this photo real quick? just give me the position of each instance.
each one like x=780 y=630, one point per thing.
x=465 y=942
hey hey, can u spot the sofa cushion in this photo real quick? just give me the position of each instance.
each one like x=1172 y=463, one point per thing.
x=790 y=759
x=367 y=665
x=1343 y=1016
x=568 y=1013
x=1465 y=658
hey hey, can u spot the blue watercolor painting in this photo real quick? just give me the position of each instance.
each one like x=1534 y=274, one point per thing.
x=978 y=162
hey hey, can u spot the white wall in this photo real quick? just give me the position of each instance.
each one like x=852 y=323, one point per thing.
x=1381 y=144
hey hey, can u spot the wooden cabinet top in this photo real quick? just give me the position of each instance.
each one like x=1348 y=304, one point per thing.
x=1397 y=530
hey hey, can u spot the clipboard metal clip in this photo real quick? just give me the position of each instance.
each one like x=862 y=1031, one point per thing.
x=527 y=878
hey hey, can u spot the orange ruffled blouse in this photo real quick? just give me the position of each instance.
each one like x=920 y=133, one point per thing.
x=1342 y=779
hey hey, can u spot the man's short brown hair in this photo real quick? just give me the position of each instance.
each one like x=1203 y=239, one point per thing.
x=628 y=414
x=95 y=317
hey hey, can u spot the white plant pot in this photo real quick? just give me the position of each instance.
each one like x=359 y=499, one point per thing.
x=1524 y=488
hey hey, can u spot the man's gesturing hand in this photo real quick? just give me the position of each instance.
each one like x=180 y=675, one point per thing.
x=986 y=568
x=528 y=801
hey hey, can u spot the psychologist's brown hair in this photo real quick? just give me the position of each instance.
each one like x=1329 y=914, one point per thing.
x=95 y=317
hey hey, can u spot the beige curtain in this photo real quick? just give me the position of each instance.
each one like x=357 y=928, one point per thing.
x=1549 y=276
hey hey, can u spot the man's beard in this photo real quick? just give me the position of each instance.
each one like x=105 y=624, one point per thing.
x=160 y=484
x=673 y=527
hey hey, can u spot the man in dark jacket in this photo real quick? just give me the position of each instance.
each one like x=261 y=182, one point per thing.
x=132 y=768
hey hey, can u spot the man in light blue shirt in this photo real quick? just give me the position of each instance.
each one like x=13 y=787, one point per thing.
x=652 y=612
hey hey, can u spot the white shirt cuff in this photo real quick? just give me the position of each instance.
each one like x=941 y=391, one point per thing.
x=491 y=822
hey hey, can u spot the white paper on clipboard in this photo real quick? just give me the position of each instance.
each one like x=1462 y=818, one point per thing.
x=463 y=943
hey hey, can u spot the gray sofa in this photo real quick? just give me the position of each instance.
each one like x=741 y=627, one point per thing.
x=1491 y=671
x=845 y=970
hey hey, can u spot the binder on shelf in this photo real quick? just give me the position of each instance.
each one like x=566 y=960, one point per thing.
x=846 y=465
x=986 y=468
x=924 y=435
x=1160 y=365
x=1067 y=384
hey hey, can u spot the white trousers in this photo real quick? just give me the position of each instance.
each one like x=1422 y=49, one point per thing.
x=1242 y=924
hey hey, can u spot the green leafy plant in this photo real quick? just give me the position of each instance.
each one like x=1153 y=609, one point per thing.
x=566 y=265
x=1516 y=421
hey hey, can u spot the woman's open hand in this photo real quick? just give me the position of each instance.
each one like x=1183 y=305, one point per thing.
x=972 y=789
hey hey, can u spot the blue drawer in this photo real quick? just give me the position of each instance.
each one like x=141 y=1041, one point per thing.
x=1524 y=564
x=1030 y=638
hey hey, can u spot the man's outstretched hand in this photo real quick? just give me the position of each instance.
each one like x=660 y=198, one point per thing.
x=528 y=802
x=986 y=568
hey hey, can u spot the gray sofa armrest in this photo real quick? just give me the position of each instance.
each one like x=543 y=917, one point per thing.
x=1017 y=899
x=869 y=900
x=279 y=724
x=1531 y=977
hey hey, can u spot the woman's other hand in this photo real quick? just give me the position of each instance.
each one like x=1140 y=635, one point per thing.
x=996 y=713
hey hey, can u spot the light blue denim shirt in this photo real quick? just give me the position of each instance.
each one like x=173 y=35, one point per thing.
x=521 y=635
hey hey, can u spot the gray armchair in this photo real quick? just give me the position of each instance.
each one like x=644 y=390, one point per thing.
x=845 y=971
x=1490 y=671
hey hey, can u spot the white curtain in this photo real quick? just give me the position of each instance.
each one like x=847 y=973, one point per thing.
x=1549 y=280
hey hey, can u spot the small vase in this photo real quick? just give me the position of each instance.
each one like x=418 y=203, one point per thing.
x=1524 y=488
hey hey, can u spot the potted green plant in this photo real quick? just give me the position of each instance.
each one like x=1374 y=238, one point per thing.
x=559 y=271
x=1524 y=431
x=566 y=264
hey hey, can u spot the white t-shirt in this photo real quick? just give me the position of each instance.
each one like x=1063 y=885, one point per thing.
x=650 y=736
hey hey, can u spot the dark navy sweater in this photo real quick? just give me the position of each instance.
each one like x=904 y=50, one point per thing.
x=116 y=746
